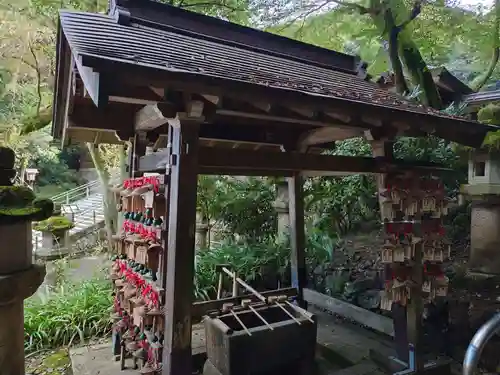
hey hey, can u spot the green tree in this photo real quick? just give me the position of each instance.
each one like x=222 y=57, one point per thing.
x=403 y=36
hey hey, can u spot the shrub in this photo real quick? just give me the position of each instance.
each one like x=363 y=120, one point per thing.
x=73 y=313
x=259 y=264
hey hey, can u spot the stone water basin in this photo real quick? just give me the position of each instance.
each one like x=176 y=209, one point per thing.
x=287 y=347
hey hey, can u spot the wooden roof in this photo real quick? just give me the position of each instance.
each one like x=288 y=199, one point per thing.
x=243 y=92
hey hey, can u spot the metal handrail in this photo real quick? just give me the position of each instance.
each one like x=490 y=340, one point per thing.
x=81 y=191
x=477 y=344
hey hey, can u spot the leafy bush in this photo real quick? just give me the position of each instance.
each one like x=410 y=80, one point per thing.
x=53 y=169
x=457 y=222
x=259 y=264
x=71 y=314
x=243 y=208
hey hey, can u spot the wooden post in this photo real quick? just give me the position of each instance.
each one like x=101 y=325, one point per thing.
x=130 y=157
x=415 y=309
x=166 y=216
x=297 y=234
x=180 y=264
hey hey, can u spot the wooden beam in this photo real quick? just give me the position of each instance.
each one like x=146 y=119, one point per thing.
x=180 y=264
x=326 y=135
x=456 y=130
x=244 y=172
x=358 y=314
x=115 y=116
x=294 y=161
x=297 y=235
x=214 y=99
x=124 y=93
x=153 y=116
x=305 y=112
x=282 y=119
x=194 y=108
x=247 y=161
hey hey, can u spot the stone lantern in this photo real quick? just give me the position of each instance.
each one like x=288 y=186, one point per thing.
x=281 y=207
x=483 y=189
x=31 y=174
x=55 y=232
x=19 y=277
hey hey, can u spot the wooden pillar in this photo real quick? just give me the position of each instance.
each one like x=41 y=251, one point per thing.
x=297 y=234
x=166 y=215
x=139 y=149
x=130 y=158
x=180 y=264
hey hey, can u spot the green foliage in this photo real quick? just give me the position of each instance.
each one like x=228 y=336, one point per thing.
x=242 y=207
x=444 y=34
x=72 y=314
x=489 y=114
x=54 y=224
x=457 y=222
x=339 y=204
x=258 y=264
x=52 y=169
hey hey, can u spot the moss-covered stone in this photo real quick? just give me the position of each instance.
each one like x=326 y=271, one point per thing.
x=52 y=363
x=54 y=224
x=18 y=203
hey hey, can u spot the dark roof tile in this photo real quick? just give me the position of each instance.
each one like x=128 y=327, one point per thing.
x=101 y=36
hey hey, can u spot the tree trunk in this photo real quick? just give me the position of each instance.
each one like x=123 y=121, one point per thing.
x=108 y=207
x=420 y=73
x=124 y=151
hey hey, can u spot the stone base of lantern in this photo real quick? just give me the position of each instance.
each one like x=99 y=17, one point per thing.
x=485 y=228
x=55 y=241
x=200 y=237
x=14 y=289
x=16 y=252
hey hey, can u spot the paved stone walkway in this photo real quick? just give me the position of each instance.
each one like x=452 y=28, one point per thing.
x=349 y=346
x=78 y=269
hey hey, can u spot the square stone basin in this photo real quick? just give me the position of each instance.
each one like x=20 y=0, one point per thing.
x=287 y=347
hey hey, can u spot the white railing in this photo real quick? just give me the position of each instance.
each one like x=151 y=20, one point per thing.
x=68 y=202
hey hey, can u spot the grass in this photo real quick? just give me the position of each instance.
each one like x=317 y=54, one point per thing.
x=73 y=313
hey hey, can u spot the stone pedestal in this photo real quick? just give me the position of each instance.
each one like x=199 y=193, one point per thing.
x=19 y=279
x=485 y=228
x=200 y=236
x=201 y=232
x=52 y=241
x=281 y=207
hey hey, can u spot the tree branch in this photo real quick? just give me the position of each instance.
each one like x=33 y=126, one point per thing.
x=209 y=3
x=417 y=8
x=303 y=16
x=480 y=81
x=361 y=9
x=38 y=77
